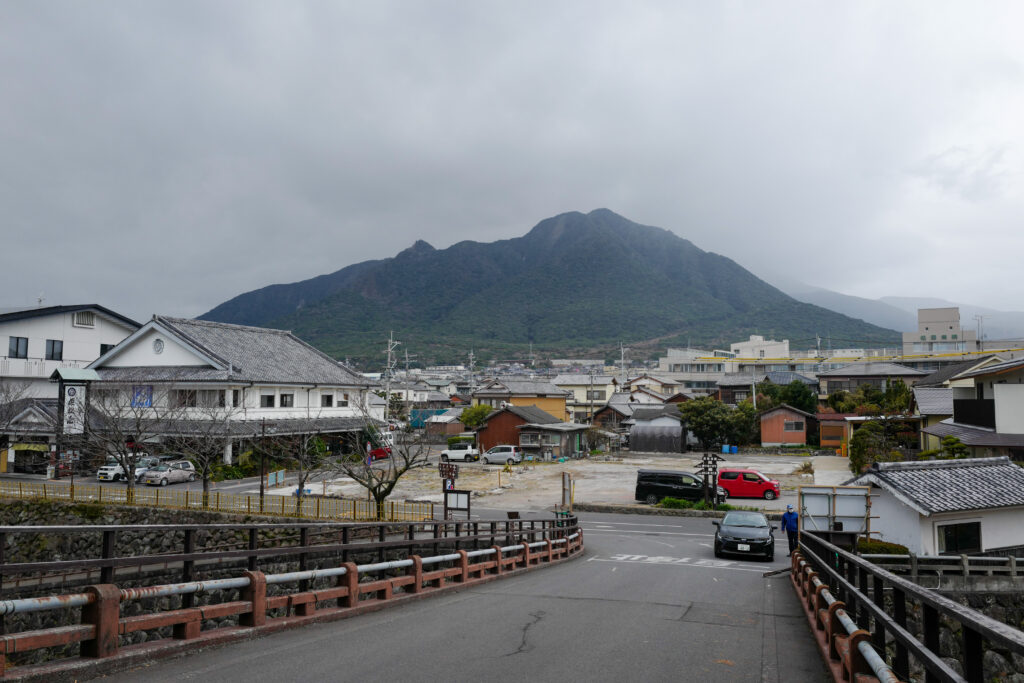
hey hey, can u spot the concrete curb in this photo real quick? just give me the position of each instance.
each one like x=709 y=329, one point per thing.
x=144 y=654
x=662 y=512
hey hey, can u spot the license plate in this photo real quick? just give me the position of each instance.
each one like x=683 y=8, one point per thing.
x=742 y=546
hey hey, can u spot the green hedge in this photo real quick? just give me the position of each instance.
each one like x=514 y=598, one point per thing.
x=452 y=440
x=680 y=504
x=870 y=546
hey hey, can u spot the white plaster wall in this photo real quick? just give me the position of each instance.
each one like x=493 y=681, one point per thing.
x=141 y=354
x=999 y=528
x=897 y=522
x=1009 y=402
x=80 y=343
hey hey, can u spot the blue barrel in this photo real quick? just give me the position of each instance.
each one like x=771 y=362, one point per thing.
x=734 y=450
x=725 y=448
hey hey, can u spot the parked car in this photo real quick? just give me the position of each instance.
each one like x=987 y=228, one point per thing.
x=464 y=451
x=654 y=485
x=744 y=533
x=170 y=473
x=746 y=483
x=503 y=454
x=146 y=464
x=110 y=471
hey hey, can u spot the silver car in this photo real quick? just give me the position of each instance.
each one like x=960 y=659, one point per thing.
x=170 y=473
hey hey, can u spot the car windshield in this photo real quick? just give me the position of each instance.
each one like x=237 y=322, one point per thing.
x=748 y=519
x=160 y=468
x=147 y=462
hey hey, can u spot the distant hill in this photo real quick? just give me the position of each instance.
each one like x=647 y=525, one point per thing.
x=576 y=283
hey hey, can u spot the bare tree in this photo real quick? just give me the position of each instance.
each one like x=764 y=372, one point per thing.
x=12 y=395
x=203 y=430
x=308 y=450
x=123 y=421
x=379 y=477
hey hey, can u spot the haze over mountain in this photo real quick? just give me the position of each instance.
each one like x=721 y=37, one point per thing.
x=575 y=284
x=898 y=312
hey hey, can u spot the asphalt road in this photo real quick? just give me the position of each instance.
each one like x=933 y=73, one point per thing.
x=647 y=601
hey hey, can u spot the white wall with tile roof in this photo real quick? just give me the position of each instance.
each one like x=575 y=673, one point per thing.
x=141 y=353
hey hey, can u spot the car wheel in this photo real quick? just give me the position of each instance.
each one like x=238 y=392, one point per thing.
x=510 y=461
x=444 y=458
x=116 y=477
x=651 y=499
x=163 y=482
x=192 y=477
x=486 y=461
x=718 y=551
x=769 y=495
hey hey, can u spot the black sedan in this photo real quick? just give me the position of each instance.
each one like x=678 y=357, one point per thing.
x=744 y=533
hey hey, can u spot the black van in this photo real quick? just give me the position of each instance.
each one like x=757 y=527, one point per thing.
x=653 y=485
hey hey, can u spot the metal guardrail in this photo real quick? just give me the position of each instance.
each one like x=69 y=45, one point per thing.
x=309 y=507
x=102 y=623
x=889 y=603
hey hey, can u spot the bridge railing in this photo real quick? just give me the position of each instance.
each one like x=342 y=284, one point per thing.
x=430 y=556
x=898 y=609
x=351 y=588
x=309 y=507
x=956 y=565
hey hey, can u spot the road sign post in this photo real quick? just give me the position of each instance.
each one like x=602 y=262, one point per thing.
x=709 y=469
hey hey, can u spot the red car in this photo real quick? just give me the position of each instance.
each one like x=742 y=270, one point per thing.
x=743 y=483
x=380 y=452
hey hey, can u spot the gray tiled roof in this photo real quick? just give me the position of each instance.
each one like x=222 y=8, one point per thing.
x=873 y=370
x=643 y=413
x=581 y=378
x=950 y=485
x=934 y=400
x=556 y=426
x=996 y=369
x=974 y=436
x=786 y=377
x=740 y=379
x=518 y=387
x=259 y=354
x=940 y=376
x=531 y=414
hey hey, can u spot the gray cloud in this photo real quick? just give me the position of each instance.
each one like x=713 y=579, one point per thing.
x=163 y=157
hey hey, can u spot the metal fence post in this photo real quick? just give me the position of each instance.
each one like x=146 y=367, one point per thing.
x=253 y=542
x=930 y=626
x=107 y=570
x=899 y=613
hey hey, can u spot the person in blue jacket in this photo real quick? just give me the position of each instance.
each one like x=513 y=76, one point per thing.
x=790 y=524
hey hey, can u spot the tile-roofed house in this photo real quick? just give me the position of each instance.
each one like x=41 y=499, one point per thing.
x=947 y=374
x=850 y=377
x=619 y=408
x=501 y=426
x=587 y=393
x=988 y=410
x=237 y=374
x=947 y=506
x=503 y=391
x=935 y=404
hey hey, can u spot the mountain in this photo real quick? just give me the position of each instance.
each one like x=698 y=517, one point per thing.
x=576 y=283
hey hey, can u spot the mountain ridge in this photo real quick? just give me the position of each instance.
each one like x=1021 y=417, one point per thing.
x=574 y=282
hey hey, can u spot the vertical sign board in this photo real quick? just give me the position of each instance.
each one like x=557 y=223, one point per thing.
x=567 y=491
x=74 y=408
x=456 y=501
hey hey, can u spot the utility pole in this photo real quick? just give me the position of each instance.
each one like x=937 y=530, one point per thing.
x=590 y=395
x=980 y=319
x=622 y=363
x=263 y=448
x=388 y=371
x=472 y=379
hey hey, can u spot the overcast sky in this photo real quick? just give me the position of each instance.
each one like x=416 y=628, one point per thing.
x=162 y=157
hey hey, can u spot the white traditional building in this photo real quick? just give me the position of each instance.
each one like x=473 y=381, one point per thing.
x=41 y=340
x=947 y=506
x=187 y=375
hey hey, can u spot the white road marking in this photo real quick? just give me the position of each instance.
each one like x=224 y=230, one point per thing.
x=649 y=533
x=680 y=562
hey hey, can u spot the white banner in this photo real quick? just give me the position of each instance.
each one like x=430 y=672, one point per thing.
x=74 y=408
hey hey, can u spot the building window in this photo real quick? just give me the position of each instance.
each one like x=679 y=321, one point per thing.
x=182 y=398
x=267 y=401
x=54 y=349
x=105 y=347
x=287 y=400
x=211 y=398
x=326 y=400
x=596 y=395
x=959 y=539
x=84 y=319
x=18 y=347
x=797 y=426
x=343 y=401
x=236 y=397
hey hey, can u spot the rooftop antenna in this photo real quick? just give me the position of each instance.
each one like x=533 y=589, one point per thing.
x=41 y=298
